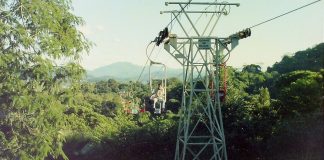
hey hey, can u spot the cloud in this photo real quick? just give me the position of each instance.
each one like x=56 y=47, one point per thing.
x=90 y=30
x=100 y=28
x=86 y=30
x=116 y=40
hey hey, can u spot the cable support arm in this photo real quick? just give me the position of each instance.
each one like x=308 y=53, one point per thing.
x=239 y=35
x=204 y=3
x=175 y=11
x=164 y=33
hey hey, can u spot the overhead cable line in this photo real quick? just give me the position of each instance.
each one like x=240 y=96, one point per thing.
x=182 y=9
x=271 y=19
x=149 y=56
x=165 y=32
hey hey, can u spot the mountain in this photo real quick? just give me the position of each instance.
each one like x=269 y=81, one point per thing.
x=126 y=71
x=117 y=70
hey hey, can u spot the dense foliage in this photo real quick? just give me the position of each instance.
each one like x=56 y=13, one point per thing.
x=49 y=112
x=311 y=59
x=34 y=92
x=267 y=115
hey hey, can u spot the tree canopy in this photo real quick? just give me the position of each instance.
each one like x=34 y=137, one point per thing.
x=310 y=59
x=35 y=91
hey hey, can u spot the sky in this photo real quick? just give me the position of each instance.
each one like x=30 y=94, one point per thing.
x=121 y=30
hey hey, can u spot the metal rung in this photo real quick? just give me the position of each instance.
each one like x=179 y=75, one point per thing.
x=209 y=137
x=197 y=144
x=157 y=111
x=179 y=56
x=201 y=90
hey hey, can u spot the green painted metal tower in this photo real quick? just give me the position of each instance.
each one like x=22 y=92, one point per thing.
x=201 y=133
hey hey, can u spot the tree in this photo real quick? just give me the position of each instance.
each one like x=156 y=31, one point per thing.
x=34 y=92
x=311 y=59
x=253 y=77
x=174 y=94
x=252 y=68
x=299 y=92
x=264 y=97
x=110 y=85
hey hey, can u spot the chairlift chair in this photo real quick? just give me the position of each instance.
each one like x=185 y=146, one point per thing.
x=159 y=104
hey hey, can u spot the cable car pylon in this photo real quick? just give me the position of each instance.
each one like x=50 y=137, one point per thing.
x=200 y=132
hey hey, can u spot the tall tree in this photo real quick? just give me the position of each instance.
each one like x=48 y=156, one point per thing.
x=299 y=92
x=34 y=91
x=253 y=68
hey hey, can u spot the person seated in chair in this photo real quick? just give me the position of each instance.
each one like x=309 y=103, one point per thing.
x=158 y=95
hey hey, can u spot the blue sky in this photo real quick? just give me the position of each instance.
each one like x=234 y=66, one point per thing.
x=121 y=30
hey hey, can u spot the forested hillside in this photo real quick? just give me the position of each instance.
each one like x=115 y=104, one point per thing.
x=267 y=115
x=51 y=112
x=311 y=59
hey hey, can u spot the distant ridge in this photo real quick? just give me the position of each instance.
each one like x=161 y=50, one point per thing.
x=126 y=71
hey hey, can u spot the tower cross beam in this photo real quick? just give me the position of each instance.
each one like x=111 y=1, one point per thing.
x=204 y=3
x=176 y=11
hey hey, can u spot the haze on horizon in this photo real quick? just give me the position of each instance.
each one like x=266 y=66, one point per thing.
x=121 y=30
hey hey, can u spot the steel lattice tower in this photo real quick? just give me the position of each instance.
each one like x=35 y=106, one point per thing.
x=201 y=133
